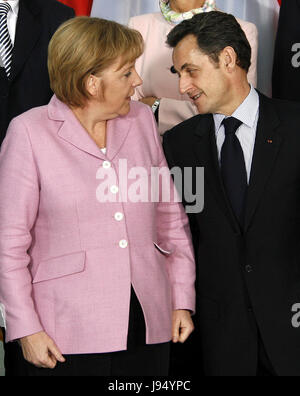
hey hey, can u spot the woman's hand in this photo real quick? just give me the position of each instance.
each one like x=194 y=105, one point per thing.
x=183 y=326
x=149 y=100
x=40 y=350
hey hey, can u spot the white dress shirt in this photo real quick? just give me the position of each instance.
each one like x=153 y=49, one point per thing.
x=12 y=18
x=247 y=113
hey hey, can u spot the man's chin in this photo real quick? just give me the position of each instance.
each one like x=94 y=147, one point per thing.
x=202 y=110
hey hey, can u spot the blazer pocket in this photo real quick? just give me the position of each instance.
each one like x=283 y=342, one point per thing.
x=163 y=249
x=59 y=267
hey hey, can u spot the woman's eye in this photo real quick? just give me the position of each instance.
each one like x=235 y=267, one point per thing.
x=128 y=74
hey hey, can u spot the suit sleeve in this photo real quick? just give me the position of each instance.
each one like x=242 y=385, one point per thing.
x=60 y=13
x=167 y=147
x=174 y=238
x=19 y=191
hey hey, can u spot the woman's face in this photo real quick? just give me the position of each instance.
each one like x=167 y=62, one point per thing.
x=116 y=87
x=186 y=5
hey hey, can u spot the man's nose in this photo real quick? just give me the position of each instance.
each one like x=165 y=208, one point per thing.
x=184 y=85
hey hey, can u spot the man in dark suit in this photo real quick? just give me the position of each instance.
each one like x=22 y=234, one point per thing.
x=247 y=236
x=28 y=85
x=28 y=27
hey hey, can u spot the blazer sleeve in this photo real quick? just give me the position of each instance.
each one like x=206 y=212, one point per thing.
x=138 y=94
x=252 y=35
x=174 y=239
x=19 y=192
x=173 y=112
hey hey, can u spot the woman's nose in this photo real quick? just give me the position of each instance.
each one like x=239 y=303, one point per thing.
x=137 y=80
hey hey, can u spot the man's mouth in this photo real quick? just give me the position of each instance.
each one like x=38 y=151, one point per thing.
x=195 y=97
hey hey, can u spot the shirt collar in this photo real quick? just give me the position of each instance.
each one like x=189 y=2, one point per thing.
x=14 y=5
x=246 y=112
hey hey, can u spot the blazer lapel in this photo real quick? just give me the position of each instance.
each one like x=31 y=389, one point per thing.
x=117 y=132
x=71 y=130
x=74 y=133
x=27 y=33
x=206 y=151
x=267 y=144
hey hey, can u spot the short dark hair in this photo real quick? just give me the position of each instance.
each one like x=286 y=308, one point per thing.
x=214 y=31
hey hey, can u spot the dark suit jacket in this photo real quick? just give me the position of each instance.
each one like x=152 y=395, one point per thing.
x=286 y=70
x=263 y=258
x=28 y=85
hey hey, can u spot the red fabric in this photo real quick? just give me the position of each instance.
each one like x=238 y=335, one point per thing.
x=81 y=7
x=279 y=1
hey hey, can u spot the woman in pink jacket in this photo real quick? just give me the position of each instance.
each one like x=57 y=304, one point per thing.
x=160 y=88
x=96 y=278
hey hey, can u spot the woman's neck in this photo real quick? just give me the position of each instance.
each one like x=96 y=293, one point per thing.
x=95 y=127
x=185 y=5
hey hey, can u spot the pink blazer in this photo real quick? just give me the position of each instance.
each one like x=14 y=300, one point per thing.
x=154 y=68
x=67 y=261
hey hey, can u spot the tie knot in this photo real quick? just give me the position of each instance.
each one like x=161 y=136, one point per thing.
x=4 y=9
x=231 y=125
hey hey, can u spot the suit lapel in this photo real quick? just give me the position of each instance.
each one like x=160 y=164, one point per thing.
x=27 y=33
x=267 y=145
x=206 y=151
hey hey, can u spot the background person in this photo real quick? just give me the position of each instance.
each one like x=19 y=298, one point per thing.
x=159 y=85
x=89 y=287
x=30 y=26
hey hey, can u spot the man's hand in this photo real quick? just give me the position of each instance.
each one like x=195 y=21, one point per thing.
x=183 y=326
x=149 y=100
x=40 y=350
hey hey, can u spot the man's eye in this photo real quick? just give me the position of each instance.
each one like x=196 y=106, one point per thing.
x=173 y=70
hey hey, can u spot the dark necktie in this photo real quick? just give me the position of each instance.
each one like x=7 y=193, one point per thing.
x=6 y=47
x=233 y=168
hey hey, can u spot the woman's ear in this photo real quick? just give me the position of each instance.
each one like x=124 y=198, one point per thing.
x=92 y=85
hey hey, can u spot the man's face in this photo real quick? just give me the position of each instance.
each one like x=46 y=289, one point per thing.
x=202 y=80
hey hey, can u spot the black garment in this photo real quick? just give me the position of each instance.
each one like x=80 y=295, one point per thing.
x=139 y=359
x=150 y=360
x=261 y=262
x=264 y=366
x=28 y=85
x=286 y=70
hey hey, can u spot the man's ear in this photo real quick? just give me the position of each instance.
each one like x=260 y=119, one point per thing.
x=228 y=59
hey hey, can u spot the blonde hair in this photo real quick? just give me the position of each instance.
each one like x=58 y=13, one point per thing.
x=83 y=46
